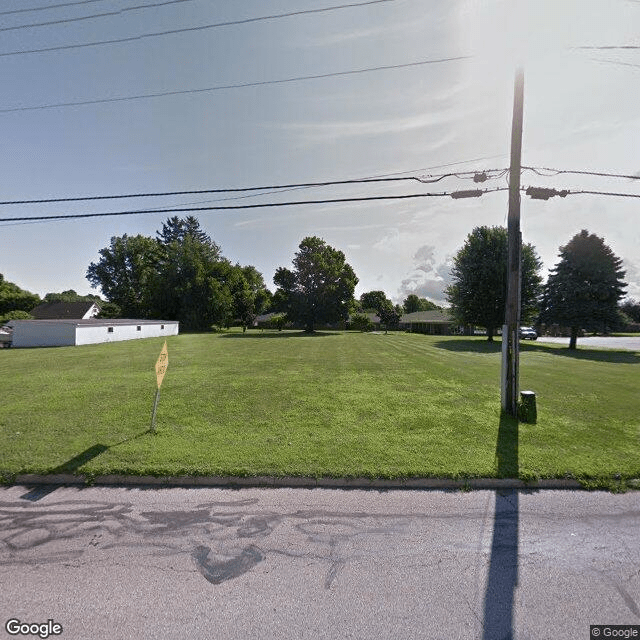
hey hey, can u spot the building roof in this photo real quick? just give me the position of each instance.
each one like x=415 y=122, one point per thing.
x=430 y=317
x=92 y=322
x=59 y=310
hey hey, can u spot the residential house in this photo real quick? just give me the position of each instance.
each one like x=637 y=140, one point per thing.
x=65 y=311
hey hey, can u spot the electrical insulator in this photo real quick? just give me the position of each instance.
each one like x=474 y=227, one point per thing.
x=471 y=193
x=542 y=193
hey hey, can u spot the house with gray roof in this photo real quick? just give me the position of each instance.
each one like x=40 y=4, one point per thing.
x=65 y=311
x=433 y=322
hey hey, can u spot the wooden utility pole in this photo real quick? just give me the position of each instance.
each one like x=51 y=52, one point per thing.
x=511 y=327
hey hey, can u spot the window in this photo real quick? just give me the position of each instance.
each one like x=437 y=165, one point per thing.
x=138 y=328
x=109 y=329
x=161 y=327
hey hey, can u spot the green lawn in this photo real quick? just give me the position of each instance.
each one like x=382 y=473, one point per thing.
x=331 y=404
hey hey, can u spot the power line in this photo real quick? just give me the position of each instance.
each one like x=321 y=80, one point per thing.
x=606 y=193
x=241 y=85
x=611 y=47
x=203 y=27
x=202 y=191
x=453 y=194
x=81 y=18
x=618 y=62
x=544 y=193
x=51 y=6
x=556 y=172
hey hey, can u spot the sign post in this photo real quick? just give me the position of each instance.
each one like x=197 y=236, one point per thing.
x=161 y=368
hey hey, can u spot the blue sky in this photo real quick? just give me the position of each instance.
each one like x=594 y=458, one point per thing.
x=580 y=113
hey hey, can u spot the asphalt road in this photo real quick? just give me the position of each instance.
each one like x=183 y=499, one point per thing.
x=296 y=563
x=599 y=342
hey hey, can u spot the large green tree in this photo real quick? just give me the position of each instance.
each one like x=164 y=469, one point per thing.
x=478 y=292
x=584 y=288
x=320 y=287
x=374 y=300
x=191 y=282
x=125 y=271
x=180 y=275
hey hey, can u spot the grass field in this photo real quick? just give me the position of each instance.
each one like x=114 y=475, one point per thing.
x=331 y=404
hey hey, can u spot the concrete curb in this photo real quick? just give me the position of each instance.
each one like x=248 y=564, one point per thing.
x=300 y=482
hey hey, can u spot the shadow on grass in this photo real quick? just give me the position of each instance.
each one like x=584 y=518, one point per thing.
x=71 y=466
x=483 y=346
x=502 y=578
x=281 y=334
x=473 y=345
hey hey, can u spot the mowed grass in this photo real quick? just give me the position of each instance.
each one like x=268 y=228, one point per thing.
x=331 y=404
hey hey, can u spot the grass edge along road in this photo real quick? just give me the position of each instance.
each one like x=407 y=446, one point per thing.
x=335 y=404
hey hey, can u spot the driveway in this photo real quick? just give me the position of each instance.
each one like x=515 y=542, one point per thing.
x=599 y=342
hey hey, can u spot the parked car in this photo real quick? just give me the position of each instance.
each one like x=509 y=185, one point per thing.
x=528 y=333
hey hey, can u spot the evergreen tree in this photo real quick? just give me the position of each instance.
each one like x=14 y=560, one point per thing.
x=584 y=288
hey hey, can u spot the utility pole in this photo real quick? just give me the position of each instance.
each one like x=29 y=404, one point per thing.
x=511 y=327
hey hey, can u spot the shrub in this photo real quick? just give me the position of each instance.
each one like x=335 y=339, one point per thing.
x=360 y=322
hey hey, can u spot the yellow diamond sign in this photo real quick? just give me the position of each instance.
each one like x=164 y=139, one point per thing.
x=162 y=364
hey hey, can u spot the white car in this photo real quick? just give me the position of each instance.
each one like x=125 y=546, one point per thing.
x=528 y=333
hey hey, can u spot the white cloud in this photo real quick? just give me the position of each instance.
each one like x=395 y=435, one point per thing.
x=429 y=286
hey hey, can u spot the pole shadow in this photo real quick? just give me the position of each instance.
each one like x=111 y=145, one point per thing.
x=38 y=492
x=502 y=577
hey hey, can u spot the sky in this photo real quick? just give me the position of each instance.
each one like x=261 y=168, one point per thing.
x=142 y=96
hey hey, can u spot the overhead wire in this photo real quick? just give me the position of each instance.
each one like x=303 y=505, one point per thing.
x=556 y=172
x=93 y=16
x=203 y=27
x=261 y=190
x=203 y=191
x=239 y=207
x=240 y=85
x=50 y=6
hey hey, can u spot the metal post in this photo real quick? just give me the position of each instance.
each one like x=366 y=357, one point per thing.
x=510 y=330
x=155 y=407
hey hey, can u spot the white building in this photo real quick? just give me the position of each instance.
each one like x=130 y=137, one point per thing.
x=74 y=332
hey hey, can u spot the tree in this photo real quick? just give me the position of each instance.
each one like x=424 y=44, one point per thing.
x=125 y=272
x=584 y=288
x=191 y=284
x=109 y=310
x=176 y=229
x=14 y=315
x=180 y=275
x=413 y=303
x=361 y=322
x=70 y=296
x=13 y=298
x=320 y=287
x=250 y=295
x=478 y=292
x=389 y=315
x=632 y=309
x=374 y=300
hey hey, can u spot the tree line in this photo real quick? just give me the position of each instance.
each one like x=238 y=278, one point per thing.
x=182 y=275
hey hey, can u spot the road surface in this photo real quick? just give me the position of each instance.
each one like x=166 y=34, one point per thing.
x=599 y=342
x=228 y=564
